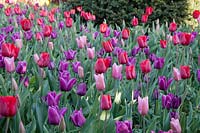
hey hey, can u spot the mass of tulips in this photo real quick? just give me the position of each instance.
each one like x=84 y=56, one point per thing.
x=59 y=72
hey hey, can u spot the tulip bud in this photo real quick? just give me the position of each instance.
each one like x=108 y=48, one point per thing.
x=61 y=49
x=21 y=127
x=36 y=58
x=62 y=125
x=80 y=72
x=42 y=73
x=19 y=43
x=14 y=84
x=50 y=45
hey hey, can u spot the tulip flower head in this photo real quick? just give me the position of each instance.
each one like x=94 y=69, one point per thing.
x=143 y=105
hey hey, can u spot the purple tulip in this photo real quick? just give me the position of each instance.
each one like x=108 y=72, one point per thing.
x=75 y=66
x=95 y=34
x=100 y=53
x=21 y=67
x=116 y=33
x=176 y=102
x=131 y=61
x=117 y=51
x=55 y=115
x=51 y=65
x=2 y=64
x=52 y=99
x=9 y=29
x=166 y=101
x=107 y=33
x=2 y=39
x=81 y=89
x=78 y=118
x=67 y=85
x=156 y=94
x=24 y=12
x=147 y=51
x=164 y=83
x=174 y=115
x=61 y=25
x=159 y=63
x=136 y=94
x=1 y=6
x=25 y=81
x=198 y=75
x=194 y=35
x=28 y=35
x=152 y=57
x=53 y=34
x=135 y=50
x=63 y=66
x=123 y=126
x=70 y=54
x=15 y=36
x=64 y=74
x=10 y=20
x=19 y=18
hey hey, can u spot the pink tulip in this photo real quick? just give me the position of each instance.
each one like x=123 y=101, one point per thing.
x=91 y=52
x=80 y=72
x=36 y=58
x=175 y=125
x=9 y=64
x=19 y=43
x=50 y=45
x=14 y=84
x=81 y=41
x=143 y=105
x=100 y=84
x=116 y=71
x=176 y=73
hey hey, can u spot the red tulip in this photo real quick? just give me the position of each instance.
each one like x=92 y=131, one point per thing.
x=134 y=21
x=149 y=10
x=17 y=10
x=185 y=72
x=103 y=27
x=123 y=58
x=51 y=18
x=44 y=59
x=9 y=50
x=67 y=14
x=47 y=30
x=26 y=24
x=8 y=11
x=172 y=27
x=73 y=11
x=185 y=38
x=175 y=39
x=79 y=8
x=142 y=41
x=69 y=22
x=163 y=43
x=40 y=21
x=144 y=18
x=125 y=33
x=130 y=72
x=106 y=102
x=43 y=13
x=107 y=45
x=100 y=66
x=8 y=106
x=196 y=14
x=145 y=66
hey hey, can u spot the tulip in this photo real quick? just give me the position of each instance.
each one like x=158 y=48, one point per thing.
x=136 y=94
x=61 y=25
x=66 y=84
x=52 y=99
x=196 y=14
x=68 y=22
x=67 y=14
x=164 y=83
x=130 y=72
x=175 y=125
x=107 y=45
x=9 y=106
x=26 y=24
x=63 y=66
x=185 y=38
x=145 y=66
x=107 y=33
x=125 y=33
x=9 y=50
x=117 y=71
x=100 y=83
x=51 y=65
x=185 y=72
x=176 y=73
x=75 y=66
x=51 y=18
x=176 y=102
x=106 y=102
x=28 y=35
x=21 y=67
x=81 y=89
x=21 y=127
x=172 y=27
x=54 y=34
x=9 y=64
x=144 y=18
x=14 y=84
x=134 y=21
x=78 y=118
x=123 y=126
x=123 y=58
x=91 y=52
x=198 y=75
x=47 y=30
x=149 y=10
x=95 y=34
x=143 y=105
x=55 y=115
x=100 y=66
x=142 y=41
x=80 y=72
x=152 y=57
x=103 y=27
x=25 y=81
x=175 y=39
x=163 y=43
x=44 y=60
x=116 y=33
x=156 y=94
x=70 y=54
x=174 y=115
x=2 y=64
x=19 y=43
x=114 y=41
x=135 y=51
x=38 y=36
x=81 y=41
x=166 y=101
x=159 y=63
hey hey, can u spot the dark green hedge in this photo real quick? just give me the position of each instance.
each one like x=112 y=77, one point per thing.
x=115 y=11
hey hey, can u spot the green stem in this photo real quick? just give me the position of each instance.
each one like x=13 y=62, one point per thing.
x=143 y=123
x=7 y=124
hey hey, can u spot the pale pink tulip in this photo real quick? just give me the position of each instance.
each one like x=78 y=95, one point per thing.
x=116 y=71
x=50 y=45
x=9 y=64
x=175 y=125
x=36 y=58
x=19 y=43
x=176 y=73
x=80 y=72
x=100 y=84
x=91 y=53
x=143 y=105
x=81 y=41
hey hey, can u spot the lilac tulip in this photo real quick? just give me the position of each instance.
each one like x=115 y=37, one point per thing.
x=1 y=6
x=75 y=66
x=78 y=118
x=117 y=71
x=70 y=54
x=55 y=115
x=147 y=51
x=107 y=33
x=81 y=89
x=116 y=33
x=15 y=36
x=164 y=83
x=64 y=74
x=152 y=57
x=51 y=65
x=9 y=64
x=159 y=62
x=63 y=66
x=123 y=126
x=21 y=67
x=135 y=50
x=52 y=99
x=2 y=39
x=66 y=85
x=114 y=41
x=131 y=61
x=100 y=53
x=117 y=51
x=28 y=35
x=167 y=101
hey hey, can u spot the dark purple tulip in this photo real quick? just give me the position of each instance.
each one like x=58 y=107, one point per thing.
x=15 y=36
x=25 y=81
x=131 y=61
x=117 y=51
x=70 y=54
x=107 y=33
x=61 y=25
x=198 y=75
x=1 y=6
x=81 y=89
x=147 y=51
x=21 y=67
x=53 y=35
x=159 y=63
x=65 y=75
x=28 y=35
x=67 y=85
x=78 y=118
x=156 y=94
x=152 y=57
x=166 y=101
x=9 y=29
x=123 y=126
x=2 y=64
x=135 y=51
x=176 y=102
x=136 y=94
x=100 y=53
x=55 y=115
x=63 y=66
x=174 y=115
x=116 y=33
x=52 y=99
x=51 y=65
x=95 y=34
x=164 y=83
x=75 y=66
